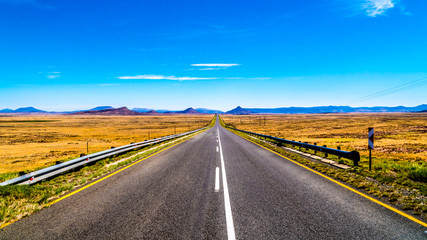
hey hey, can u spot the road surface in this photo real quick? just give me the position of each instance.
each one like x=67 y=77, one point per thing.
x=215 y=185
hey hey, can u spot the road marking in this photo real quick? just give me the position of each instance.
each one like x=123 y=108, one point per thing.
x=217 y=179
x=216 y=148
x=228 y=215
x=345 y=186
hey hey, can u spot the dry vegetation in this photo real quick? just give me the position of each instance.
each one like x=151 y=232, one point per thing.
x=398 y=137
x=32 y=142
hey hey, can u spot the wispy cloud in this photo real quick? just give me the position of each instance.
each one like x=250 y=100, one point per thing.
x=53 y=76
x=161 y=77
x=371 y=8
x=215 y=64
x=377 y=7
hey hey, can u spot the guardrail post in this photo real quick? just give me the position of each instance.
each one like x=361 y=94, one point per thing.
x=315 y=152
x=355 y=156
x=326 y=154
x=339 y=148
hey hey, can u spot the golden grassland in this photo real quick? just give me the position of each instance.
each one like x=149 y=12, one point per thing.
x=33 y=142
x=398 y=136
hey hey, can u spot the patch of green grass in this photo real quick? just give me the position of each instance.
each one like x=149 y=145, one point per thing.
x=418 y=172
x=6 y=176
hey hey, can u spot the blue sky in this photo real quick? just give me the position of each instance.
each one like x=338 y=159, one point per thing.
x=67 y=55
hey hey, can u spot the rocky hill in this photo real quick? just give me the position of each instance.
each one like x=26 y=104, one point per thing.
x=123 y=111
x=239 y=111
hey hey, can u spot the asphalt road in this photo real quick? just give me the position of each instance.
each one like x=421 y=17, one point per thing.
x=172 y=196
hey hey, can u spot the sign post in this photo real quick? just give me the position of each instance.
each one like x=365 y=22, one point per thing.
x=370 y=145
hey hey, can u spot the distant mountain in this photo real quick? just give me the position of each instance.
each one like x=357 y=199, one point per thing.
x=142 y=109
x=325 y=109
x=392 y=109
x=336 y=109
x=152 y=112
x=101 y=108
x=239 y=111
x=209 y=111
x=110 y=112
x=188 y=111
x=294 y=110
x=6 y=110
x=27 y=110
x=164 y=111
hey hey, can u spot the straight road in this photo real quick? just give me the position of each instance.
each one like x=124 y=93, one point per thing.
x=216 y=185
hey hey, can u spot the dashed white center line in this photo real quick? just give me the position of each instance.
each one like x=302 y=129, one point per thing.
x=216 y=148
x=217 y=179
x=228 y=215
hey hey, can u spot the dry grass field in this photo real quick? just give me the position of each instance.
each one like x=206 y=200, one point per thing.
x=398 y=137
x=32 y=142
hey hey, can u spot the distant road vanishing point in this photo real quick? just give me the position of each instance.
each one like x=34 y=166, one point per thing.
x=215 y=185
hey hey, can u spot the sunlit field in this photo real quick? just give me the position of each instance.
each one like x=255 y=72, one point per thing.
x=31 y=142
x=398 y=137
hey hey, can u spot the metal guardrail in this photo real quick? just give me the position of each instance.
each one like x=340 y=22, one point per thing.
x=39 y=175
x=353 y=155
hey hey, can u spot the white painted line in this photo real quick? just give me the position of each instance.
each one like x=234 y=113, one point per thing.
x=216 y=148
x=228 y=215
x=217 y=179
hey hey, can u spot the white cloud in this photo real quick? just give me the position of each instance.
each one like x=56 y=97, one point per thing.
x=55 y=72
x=161 y=77
x=377 y=7
x=53 y=76
x=224 y=65
x=208 y=69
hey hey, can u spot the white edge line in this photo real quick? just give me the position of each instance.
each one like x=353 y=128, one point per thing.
x=228 y=215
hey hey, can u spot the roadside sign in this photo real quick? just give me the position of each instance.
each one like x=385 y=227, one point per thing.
x=371 y=138
x=370 y=145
